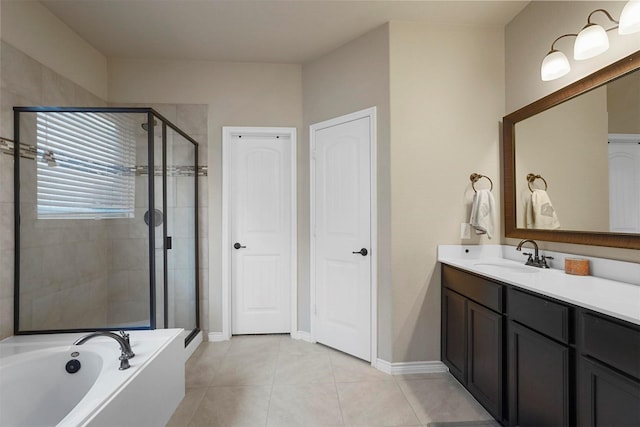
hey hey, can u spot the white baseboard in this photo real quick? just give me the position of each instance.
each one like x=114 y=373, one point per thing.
x=301 y=335
x=216 y=337
x=427 y=367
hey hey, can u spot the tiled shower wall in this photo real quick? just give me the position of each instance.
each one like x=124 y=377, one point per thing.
x=26 y=82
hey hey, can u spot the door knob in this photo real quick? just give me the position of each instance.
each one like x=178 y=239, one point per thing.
x=238 y=245
x=362 y=252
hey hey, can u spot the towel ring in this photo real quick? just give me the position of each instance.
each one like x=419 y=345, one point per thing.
x=531 y=177
x=475 y=177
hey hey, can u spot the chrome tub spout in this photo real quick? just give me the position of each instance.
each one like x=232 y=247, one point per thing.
x=125 y=347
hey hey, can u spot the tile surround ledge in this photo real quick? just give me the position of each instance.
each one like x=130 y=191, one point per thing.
x=612 y=289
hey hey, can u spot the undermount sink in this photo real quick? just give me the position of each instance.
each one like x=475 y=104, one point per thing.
x=507 y=268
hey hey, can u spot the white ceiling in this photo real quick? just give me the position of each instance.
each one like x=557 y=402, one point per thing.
x=293 y=31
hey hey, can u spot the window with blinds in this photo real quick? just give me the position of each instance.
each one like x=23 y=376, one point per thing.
x=85 y=165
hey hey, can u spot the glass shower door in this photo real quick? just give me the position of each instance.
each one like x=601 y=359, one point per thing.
x=181 y=243
x=82 y=247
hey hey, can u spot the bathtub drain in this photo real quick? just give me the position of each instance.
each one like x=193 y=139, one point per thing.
x=73 y=366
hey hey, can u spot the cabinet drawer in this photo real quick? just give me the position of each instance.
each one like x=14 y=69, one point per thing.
x=480 y=290
x=540 y=314
x=612 y=343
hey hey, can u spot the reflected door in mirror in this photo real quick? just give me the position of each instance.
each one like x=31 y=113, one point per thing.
x=624 y=185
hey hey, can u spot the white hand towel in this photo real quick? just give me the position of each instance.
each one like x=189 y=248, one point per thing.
x=483 y=213
x=540 y=213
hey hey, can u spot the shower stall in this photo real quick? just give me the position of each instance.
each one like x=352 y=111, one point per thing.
x=106 y=230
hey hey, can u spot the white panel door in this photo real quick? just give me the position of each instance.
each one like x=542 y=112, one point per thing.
x=624 y=187
x=342 y=224
x=260 y=218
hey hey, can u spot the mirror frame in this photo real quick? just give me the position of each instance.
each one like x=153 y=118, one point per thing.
x=603 y=76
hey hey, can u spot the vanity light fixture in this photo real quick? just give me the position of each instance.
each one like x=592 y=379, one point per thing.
x=555 y=64
x=591 y=41
x=630 y=18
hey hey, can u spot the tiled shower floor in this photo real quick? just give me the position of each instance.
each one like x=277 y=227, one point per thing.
x=272 y=380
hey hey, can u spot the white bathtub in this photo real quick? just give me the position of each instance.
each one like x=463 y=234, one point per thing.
x=36 y=390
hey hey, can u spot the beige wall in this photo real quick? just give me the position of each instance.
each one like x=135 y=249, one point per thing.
x=447 y=98
x=567 y=146
x=237 y=94
x=623 y=104
x=528 y=39
x=351 y=78
x=30 y=27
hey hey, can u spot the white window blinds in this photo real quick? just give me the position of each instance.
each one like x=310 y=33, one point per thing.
x=86 y=165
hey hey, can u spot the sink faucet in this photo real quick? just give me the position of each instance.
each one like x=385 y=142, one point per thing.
x=536 y=261
x=125 y=347
x=530 y=261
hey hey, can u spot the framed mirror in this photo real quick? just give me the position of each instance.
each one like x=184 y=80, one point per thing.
x=572 y=162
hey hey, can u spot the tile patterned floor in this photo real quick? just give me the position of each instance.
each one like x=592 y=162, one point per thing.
x=272 y=380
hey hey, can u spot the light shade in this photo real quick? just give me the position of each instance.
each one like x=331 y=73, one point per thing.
x=630 y=18
x=591 y=41
x=554 y=66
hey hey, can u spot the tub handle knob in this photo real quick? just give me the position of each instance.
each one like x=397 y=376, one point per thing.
x=125 y=336
x=124 y=361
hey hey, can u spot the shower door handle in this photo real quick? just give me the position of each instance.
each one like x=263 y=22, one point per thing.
x=168 y=243
x=238 y=246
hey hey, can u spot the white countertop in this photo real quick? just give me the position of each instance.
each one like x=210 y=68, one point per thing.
x=614 y=298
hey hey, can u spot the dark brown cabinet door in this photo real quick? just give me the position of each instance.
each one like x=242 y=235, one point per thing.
x=606 y=398
x=538 y=379
x=484 y=361
x=454 y=334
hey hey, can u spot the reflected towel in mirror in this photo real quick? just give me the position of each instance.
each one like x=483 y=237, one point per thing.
x=540 y=213
x=483 y=213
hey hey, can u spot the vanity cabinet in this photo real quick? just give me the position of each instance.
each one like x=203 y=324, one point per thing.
x=608 y=372
x=539 y=360
x=531 y=360
x=472 y=338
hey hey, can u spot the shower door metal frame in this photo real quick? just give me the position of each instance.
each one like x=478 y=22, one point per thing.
x=151 y=115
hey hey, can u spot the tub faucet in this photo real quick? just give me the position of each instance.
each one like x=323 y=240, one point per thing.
x=125 y=348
